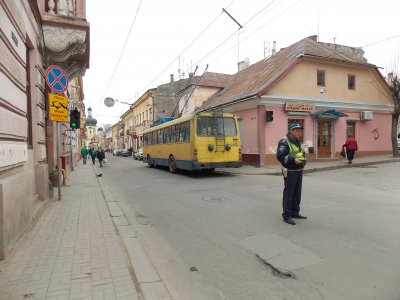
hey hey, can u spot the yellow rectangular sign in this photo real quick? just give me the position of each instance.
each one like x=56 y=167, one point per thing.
x=58 y=108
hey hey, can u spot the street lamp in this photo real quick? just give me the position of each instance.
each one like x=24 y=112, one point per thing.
x=109 y=102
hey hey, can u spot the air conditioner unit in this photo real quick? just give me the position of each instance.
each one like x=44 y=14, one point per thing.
x=366 y=115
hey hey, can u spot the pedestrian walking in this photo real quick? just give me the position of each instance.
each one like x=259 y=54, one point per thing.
x=92 y=153
x=84 y=153
x=100 y=156
x=351 y=147
x=291 y=155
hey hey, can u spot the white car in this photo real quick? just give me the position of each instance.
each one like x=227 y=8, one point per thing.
x=138 y=155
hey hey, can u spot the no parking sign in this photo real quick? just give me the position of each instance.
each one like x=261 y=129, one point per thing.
x=56 y=79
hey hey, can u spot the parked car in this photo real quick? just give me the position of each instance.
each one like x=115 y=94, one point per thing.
x=125 y=152
x=117 y=152
x=138 y=155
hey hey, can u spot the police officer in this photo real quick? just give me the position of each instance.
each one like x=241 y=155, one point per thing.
x=292 y=157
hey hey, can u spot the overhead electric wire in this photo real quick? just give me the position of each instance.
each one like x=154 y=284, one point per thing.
x=265 y=7
x=373 y=44
x=122 y=52
x=215 y=48
x=186 y=48
x=244 y=29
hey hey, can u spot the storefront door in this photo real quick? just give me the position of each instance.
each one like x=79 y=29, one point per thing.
x=324 y=138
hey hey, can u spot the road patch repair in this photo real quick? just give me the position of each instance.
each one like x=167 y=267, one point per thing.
x=282 y=255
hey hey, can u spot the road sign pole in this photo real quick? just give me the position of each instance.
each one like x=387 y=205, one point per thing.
x=58 y=159
x=72 y=151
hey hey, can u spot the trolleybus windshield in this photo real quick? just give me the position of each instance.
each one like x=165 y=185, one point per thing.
x=216 y=126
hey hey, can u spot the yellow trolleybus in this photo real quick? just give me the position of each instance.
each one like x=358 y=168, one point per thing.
x=202 y=141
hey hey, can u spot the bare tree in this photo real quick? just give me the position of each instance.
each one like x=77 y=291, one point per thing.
x=394 y=84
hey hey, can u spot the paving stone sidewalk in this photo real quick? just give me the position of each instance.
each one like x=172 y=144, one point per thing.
x=73 y=251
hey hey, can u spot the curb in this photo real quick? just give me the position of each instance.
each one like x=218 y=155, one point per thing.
x=316 y=169
x=146 y=278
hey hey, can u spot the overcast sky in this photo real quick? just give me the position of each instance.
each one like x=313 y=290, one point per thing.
x=161 y=37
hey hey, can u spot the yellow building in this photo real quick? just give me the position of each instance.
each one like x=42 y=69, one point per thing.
x=128 y=127
x=114 y=139
x=143 y=116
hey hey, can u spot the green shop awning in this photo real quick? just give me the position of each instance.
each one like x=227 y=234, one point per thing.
x=329 y=113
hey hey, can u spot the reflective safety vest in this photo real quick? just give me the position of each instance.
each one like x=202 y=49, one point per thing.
x=295 y=151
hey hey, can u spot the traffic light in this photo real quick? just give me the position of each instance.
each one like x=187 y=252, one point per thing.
x=75 y=119
x=269 y=116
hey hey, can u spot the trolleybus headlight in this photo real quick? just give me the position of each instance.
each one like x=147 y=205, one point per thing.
x=228 y=147
x=210 y=147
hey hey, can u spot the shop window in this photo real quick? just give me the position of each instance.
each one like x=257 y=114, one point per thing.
x=351 y=82
x=350 y=129
x=320 y=78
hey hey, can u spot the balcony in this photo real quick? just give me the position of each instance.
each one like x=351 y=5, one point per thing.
x=66 y=35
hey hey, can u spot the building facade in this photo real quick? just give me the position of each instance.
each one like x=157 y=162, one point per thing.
x=329 y=89
x=34 y=34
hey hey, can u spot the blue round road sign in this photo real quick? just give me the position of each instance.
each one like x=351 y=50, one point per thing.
x=56 y=79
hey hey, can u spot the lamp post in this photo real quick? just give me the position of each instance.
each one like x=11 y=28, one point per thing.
x=110 y=102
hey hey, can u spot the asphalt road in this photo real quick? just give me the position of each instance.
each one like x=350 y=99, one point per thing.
x=221 y=236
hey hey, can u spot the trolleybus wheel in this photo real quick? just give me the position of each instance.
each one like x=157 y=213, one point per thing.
x=172 y=164
x=149 y=163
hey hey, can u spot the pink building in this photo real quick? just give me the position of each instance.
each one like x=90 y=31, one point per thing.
x=330 y=89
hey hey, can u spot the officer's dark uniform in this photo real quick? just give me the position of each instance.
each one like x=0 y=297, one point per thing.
x=288 y=150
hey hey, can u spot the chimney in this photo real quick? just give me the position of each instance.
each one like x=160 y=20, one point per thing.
x=171 y=78
x=241 y=65
x=314 y=38
x=191 y=74
x=273 y=47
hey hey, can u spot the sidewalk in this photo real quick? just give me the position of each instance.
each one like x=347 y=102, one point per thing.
x=82 y=247
x=315 y=166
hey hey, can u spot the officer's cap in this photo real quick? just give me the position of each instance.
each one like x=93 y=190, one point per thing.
x=295 y=126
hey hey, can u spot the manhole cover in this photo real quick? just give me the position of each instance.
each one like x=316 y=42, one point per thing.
x=143 y=220
x=215 y=199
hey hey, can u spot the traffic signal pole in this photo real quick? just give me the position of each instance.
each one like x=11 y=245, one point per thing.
x=72 y=152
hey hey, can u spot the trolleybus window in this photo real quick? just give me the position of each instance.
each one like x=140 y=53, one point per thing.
x=166 y=135
x=174 y=133
x=184 y=132
x=216 y=126
x=160 y=136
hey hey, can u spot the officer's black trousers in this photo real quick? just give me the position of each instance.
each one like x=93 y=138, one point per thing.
x=292 y=194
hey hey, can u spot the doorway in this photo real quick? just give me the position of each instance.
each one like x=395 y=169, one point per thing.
x=324 y=135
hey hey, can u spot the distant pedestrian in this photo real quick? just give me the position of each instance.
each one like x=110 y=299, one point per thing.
x=92 y=153
x=351 y=147
x=100 y=156
x=291 y=155
x=84 y=153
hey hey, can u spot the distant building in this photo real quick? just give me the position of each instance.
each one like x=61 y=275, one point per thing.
x=90 y=129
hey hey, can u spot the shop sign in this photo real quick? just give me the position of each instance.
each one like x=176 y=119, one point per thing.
x=299 y=107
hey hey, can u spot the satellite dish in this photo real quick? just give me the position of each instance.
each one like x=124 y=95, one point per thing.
x=109 y=102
